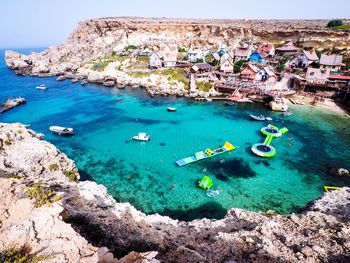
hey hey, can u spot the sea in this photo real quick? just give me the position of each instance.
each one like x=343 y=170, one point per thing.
x=145 y=174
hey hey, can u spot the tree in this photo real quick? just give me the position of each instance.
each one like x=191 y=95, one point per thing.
x=238 y=66
x=335 y=23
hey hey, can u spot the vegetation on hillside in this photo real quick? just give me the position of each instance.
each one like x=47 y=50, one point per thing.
x=335 y=23
x=204 y=86
x=21 y=255
x=42 y=195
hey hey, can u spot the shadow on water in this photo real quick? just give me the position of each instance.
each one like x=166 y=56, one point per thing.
x=224 y=170
x=210 y=210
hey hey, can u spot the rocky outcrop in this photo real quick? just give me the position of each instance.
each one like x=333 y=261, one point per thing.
x=88 y=225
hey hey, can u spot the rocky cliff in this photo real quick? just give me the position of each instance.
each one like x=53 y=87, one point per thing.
x=85 y=224
x=97 y=38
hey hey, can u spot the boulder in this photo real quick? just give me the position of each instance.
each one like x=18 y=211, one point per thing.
x=109 y=83
x=95 y=76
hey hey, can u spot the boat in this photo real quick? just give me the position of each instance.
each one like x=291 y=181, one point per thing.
x=41 y=87
x=278 y=104
x=142 y=137
x=62 y=130
x=213 y=193
x=286 y=114
x=229 y=103
x=171 y=109
x=260 y=118
x=207 y=153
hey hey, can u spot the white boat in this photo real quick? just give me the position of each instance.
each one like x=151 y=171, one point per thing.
x=278 y=104
x=260 y=117
x=142 y=137
x=41 y=87
x=171 y=109
x=61 y=130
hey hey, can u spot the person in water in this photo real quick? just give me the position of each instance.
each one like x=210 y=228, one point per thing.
x=173 y=186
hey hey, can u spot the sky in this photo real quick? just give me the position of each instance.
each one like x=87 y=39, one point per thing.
x=40 y=23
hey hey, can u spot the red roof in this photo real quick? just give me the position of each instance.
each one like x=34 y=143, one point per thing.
x=339 y=77
x=265 y=48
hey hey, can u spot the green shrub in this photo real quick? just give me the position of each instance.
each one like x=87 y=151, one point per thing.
x=297 y=71
x=53 y=167
x=114 y=53
x=181 y=49
x=8 y=142
x=71 y=175
x=100 y=65
x=14 y=176
x=42 y=195
x=19 y=131
x=130 y=47
x=335 y=23
x=21 y=255
x=204 y=86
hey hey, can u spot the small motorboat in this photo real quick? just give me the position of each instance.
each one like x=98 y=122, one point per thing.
x=171 y=109
x=62 y=130
x=41 y=87
x=229 y=104
x=260 y=118
x=142 y=137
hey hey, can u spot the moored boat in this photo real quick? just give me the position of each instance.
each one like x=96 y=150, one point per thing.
x=62 y=130
x=260 y=117
x=171 y=109
x=41 y=87
x=142 y=136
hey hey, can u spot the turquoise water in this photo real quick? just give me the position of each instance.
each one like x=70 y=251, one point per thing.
x=144 y=173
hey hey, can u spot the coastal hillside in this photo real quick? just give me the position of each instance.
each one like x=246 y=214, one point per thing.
x=97 y=38
x=45 y=209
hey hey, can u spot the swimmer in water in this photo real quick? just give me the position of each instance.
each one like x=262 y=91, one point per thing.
x=173 y=186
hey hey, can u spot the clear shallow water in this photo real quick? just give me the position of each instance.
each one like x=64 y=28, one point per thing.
x=143 y=173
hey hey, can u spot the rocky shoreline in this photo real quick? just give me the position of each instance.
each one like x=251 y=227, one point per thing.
x=87 y=225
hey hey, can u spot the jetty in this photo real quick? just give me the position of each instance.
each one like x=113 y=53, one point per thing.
x=11 y=103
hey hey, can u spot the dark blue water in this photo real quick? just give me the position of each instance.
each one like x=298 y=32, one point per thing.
x=145 y=174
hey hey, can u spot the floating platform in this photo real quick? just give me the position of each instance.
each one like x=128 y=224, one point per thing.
x=207 y=153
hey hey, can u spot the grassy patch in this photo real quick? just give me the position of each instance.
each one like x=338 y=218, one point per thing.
x=176 y=75
x=21 y=255
x=204 y=86
x=53 y=167
x=100 y=65
x=42 y=195
x=343 y=27
x=71 y=175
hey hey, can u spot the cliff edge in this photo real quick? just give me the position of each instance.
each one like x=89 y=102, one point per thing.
x=43 y=205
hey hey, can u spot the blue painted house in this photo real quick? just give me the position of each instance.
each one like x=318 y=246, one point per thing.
x=256 y=57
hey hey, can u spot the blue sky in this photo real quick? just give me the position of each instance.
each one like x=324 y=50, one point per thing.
x=39 y=23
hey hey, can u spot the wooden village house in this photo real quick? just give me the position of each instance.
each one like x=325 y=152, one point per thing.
x=332 y=62
x=169 y=53
x=243 y=53
x=266 y=50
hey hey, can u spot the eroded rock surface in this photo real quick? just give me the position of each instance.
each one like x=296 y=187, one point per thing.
x=88 y=225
